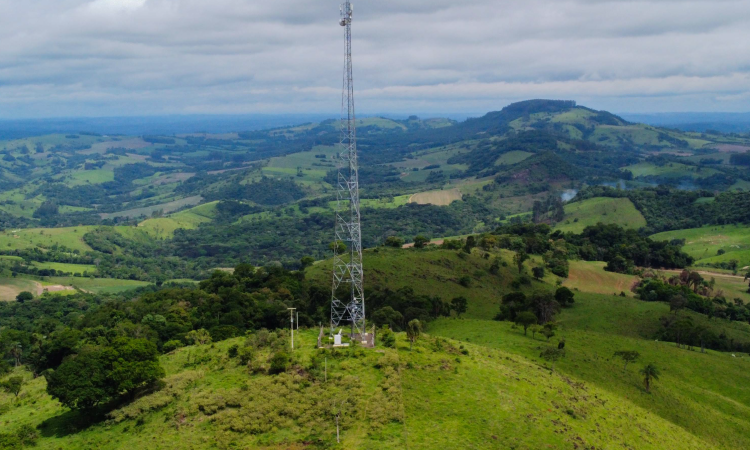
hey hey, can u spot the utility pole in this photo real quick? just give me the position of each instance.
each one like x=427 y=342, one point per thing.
x=291 y=317
x=347 y=264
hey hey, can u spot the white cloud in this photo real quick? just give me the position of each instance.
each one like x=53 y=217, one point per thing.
x=111 y=57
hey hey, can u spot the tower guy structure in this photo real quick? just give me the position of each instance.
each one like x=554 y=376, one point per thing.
x=348 y=305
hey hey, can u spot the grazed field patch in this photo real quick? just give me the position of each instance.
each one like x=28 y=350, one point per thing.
x=731 y=148
x=166 y=208
x=438 y=198
x=130 y=144
x=11 y=287
x=591 y=277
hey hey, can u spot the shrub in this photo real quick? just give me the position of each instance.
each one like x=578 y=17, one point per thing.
x=171 y=346
x=465 y=281
x=279 y=363
x=394 y=241
x=388 y=338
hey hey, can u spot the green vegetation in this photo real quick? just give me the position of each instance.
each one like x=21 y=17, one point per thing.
x=713 y=245
x=619 y=211
x=573 y=330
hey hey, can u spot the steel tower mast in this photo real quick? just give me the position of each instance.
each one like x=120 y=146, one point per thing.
x=347 y=264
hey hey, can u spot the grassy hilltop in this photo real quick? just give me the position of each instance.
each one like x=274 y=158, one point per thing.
x=469 y=382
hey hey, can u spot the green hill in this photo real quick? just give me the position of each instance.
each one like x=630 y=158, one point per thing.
x=468 y=383
x=714 y=244
x=620 y=211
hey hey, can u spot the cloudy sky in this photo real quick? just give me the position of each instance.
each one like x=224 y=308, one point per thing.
x=143 y=57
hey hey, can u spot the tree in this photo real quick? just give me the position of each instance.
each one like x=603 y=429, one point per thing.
x=387 y=316
x=552 y=354
x=337 y=247
x=564 y=296
x=413 y=330
x=420 y=241
x=677 y=302
x=519 y=258
x=198 y=337
x=24 y=296
x=695 y=279
x=394 y=241
x=13 y=385
x=629 y=356
x=526 y=319
x=99 y=374
x=650 y=372
x=548 y=332
x=306 y=261
x=471 y=242
x=536 y=328
x=538 y=272
x=544 y=305
x=460 y=305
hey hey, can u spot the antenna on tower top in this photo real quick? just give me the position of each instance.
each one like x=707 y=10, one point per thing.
x=348 y=305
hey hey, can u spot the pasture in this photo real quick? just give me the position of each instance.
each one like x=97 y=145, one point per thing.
x=439 y=198
x=705 y=243
x=71 y=237
x=620 y=211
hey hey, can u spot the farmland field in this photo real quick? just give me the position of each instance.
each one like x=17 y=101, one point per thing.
x=71 y=237
x=513 y=157
x=705 y=243
x=11 y=287
x=64 y=267
x=97 y=285
x=589 y=276
x=166 y=208
x=439 y=198
x=620 y=211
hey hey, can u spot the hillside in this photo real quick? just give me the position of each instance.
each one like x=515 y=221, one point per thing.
x=468 y=382
x=171 y=199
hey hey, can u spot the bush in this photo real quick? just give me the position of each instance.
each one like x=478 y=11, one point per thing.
x=465 y=281
x=564 y=296
x=420 y=241
x=388 y=338
x=279 y=363
x=394 y=241
x=223 y=332
x=233 y=351
x=24 y=296
x=171 y=346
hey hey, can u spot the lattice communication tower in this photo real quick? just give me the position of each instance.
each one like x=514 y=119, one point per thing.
x=348 y=305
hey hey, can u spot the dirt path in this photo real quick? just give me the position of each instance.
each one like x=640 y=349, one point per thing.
x=435 y=242
x=713 y=274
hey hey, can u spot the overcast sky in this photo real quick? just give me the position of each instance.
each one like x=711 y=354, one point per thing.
x=144 y=57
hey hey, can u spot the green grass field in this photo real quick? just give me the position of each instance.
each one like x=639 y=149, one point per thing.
x=704 y=243
x=165 y=208
x=164 y=227
x=434 y=272
x=670 y=170
x=98 y=176
x=97 y=285
x=511 y=158
x=620 y=211
x=70 y=268
x=71 y=237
